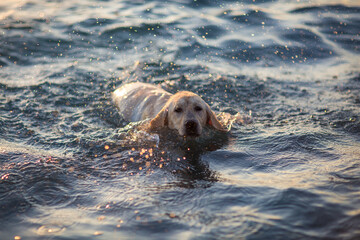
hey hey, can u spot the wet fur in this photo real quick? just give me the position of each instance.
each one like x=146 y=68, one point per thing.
x=183 y=111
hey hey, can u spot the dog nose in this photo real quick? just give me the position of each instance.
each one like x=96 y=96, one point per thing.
x=191 y=128
x=190 y=125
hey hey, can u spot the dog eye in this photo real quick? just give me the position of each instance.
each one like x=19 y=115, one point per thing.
x=198 y=109
x=178 y=110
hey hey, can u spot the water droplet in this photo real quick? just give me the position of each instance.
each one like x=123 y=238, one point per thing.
x=98 y=233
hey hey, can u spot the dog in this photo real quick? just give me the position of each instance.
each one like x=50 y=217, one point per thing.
x=183 y=111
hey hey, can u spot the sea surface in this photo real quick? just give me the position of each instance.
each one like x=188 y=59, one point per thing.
x=72 y=168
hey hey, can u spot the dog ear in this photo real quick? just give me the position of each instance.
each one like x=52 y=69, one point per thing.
x=213 y=121
x=160 y=120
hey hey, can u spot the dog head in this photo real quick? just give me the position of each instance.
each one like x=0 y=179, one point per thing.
x=187 y=113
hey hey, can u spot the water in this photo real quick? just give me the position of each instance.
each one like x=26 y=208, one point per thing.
x=71 y=168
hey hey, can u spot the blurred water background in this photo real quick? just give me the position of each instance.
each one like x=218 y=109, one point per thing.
x=69 y=168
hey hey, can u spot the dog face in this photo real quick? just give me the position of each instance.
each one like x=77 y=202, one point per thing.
x=187 y=113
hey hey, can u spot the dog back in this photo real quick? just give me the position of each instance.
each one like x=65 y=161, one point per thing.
x=139 y=101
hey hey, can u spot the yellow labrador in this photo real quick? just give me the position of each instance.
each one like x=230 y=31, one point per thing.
x=184 y=111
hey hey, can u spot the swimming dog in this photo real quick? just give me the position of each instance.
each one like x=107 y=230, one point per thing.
x=183 y=111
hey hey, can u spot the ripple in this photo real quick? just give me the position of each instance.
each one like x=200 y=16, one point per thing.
x=252 y=18
x=292 y=63
x=327 y=8
x=346 y=119
x=12 y=202
x=210 y=31
x=290 y=204
x=303 y=36
x=93 y=22
x=46 y=230
x=209 y=3
x=123 y=31
x=42 y=184
x=338 y=22
x=49 y=193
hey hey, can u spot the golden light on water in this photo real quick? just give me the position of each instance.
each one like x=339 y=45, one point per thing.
x=103 y=188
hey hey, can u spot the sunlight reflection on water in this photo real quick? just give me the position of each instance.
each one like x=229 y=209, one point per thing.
x=71 y=168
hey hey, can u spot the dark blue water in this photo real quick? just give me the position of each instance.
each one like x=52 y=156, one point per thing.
x=71 y=168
